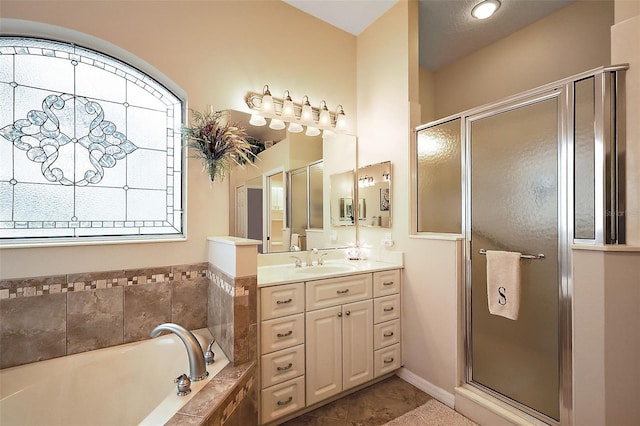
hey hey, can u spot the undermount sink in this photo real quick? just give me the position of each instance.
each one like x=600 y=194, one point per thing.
x=325 y=269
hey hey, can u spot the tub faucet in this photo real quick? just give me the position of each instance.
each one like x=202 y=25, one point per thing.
x=197 y=367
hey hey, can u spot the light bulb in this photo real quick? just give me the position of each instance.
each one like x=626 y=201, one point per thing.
x=267 y=100
x=312 y=131
x=325 y=117
x=257 y=120
x=341 y=118
x=306 y=115
x=276 y=124
x=295 y=127
x=485 y=9
x=327 y=133
x=287 y=107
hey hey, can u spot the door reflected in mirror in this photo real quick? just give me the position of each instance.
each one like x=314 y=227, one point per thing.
x=342 y=192
x=374 y=192
x=346 y=209
x=275 y=214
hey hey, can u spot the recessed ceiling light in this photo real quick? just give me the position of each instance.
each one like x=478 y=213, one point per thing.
x=485 y=9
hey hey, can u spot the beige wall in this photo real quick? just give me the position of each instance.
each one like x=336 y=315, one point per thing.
x=387 y=110
x=625 y=48
x=216 y=51
x=427 y=96
x=606 y=339
x=569 y=41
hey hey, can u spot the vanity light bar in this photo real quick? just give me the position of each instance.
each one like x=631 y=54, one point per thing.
x=298 y=113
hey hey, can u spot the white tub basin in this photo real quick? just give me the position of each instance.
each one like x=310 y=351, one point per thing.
x=121 y=385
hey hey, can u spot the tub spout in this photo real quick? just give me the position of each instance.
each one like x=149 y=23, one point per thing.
x=197 y=367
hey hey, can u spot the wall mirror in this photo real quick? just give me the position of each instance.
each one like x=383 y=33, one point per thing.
x=285 y=200
x=374 y=193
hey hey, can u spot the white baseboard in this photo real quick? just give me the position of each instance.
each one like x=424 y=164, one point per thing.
x=436 y=392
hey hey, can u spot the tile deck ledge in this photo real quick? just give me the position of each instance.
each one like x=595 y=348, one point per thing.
x=212 y=404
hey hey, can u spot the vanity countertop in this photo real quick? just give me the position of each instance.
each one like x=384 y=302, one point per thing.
x=288 y=273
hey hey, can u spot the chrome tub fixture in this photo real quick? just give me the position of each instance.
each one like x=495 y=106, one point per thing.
x=197 y=366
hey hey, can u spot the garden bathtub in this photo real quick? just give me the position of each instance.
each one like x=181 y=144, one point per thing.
x=128 y=384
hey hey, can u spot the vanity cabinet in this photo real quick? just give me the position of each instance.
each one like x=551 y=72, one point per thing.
x=322 y=337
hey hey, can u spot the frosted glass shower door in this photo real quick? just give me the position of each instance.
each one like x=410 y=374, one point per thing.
x=514 y=207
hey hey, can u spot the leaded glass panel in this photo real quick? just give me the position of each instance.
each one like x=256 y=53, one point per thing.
x=89 y=146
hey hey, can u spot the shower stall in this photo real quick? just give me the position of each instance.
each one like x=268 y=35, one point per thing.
x=534 y=174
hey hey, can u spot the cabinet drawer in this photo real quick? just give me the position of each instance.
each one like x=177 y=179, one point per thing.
x=282 y=399
x=386 y=308
x=281 y=333
x=281 y=300
x=335 y=291
x=283 y=365
x=386 y=360
x=386 y=334
x=386 y=283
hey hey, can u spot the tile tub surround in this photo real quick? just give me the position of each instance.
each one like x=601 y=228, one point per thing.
x=232 y=316
x=49 y=317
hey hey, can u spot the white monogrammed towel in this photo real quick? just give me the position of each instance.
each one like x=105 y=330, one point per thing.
x=503 y=283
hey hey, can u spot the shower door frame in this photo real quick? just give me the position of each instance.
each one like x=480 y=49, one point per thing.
x=565 y=211
x=609 y=202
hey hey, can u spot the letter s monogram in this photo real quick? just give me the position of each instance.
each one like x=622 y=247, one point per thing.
x=502 y=293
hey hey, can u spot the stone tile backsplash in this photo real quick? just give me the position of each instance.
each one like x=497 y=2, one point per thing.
x=32 y=329
x=49 y=317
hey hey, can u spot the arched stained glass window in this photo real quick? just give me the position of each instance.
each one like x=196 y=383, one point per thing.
x=89 y=146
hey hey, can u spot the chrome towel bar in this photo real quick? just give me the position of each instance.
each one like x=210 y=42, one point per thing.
x=522 y=256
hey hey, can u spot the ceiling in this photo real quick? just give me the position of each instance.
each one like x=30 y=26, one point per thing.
x=447 y=30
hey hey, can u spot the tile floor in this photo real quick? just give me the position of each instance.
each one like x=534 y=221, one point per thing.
x=374 y=405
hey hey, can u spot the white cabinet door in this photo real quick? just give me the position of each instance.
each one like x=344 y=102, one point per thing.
x=324 y=353
x=357 y=343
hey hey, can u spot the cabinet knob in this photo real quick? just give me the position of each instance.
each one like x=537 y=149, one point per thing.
x=339 y=314
x=348 y=313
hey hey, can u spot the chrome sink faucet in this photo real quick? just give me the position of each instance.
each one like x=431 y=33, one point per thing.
x=320 y=258
x=298 y=261
x=197 y=366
